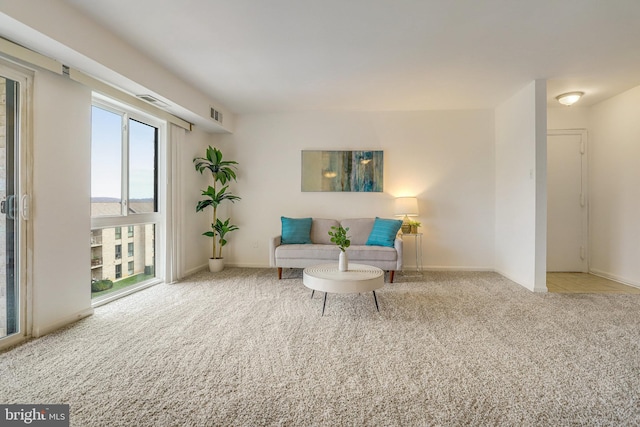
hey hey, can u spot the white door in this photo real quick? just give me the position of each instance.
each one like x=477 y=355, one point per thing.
x=566 y=202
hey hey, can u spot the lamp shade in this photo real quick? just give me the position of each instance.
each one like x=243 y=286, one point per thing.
x=406 y=206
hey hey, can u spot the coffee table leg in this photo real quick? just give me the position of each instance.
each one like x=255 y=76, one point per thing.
x=376 y=300
x=312 y=292
x=324 y=303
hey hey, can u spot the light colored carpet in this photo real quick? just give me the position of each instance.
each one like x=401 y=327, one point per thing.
x=242 y=348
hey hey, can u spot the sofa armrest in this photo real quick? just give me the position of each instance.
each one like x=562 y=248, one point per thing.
x=397 y=244
x=274 y=242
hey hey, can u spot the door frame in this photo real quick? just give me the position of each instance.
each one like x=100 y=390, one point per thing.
x=24 y=158
x=584 y=166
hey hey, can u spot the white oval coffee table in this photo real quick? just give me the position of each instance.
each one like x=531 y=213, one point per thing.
x=359 y=278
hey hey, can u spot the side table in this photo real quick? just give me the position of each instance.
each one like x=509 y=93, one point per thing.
x=417 y=237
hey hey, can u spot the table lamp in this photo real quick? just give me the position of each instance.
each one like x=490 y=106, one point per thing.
x=406 y=207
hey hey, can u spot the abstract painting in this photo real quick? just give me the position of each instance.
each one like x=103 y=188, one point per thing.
x=342 y=171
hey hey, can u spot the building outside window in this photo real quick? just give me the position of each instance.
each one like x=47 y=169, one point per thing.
x=130 y=231
x=131 y=268
x=118 y=233
x=118 y=271
x=118 y=251
x=130 y=249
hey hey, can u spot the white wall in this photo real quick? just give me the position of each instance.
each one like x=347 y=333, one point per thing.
x=61 y=202
x=445 y=158
x=563 y=117
x=614 y=133
x=520 y=182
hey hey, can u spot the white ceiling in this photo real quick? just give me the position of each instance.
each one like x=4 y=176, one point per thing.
x=285 y=55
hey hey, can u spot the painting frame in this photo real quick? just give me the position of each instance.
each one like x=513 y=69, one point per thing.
x=342 y=171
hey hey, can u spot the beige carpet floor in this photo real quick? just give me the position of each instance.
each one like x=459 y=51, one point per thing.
x=242 y=348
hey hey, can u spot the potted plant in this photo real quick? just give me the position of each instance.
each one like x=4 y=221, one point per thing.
x=414 y=226
x=340 y=238
x=222 y=171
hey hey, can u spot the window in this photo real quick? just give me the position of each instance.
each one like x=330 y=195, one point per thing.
x=127 y=152
x=106 y=162
x=117 y=140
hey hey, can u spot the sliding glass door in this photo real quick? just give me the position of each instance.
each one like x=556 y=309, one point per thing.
x=12 y=312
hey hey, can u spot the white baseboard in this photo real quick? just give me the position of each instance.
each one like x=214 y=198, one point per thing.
x=449 y=268
x=44 y=330
x=194 y=270
x=206 y=266
x=615 y=278
x=535 y=289
x=406 y=267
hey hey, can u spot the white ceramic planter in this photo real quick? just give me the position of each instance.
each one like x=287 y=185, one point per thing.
x=216 y=265
x=343 y=262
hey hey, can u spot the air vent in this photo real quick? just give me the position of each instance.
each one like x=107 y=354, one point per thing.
x=153 y=100
x=216 y=115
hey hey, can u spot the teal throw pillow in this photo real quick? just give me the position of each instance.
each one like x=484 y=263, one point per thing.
x=295 y=230
x=384 y=232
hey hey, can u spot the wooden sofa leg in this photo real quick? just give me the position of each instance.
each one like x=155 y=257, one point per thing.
x=391 y=273
x=279 y=273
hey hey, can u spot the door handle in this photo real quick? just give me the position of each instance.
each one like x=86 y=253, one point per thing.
x=8 y=207
x=24 y=207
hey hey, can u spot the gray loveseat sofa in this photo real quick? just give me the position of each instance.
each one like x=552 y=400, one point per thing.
x=322 y=250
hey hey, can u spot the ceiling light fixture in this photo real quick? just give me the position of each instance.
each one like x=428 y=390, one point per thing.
x=569 y=98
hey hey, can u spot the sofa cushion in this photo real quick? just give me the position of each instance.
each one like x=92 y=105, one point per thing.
x=320 y=230
x=384 y=232
x=359 y=229
x=296 y=230
x=312 y=252
x=370 y=254
x=330 y=253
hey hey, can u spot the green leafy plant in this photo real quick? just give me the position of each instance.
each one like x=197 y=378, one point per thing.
x=413 y=226
x=221 y=229
x=222 y=171
x=101 y=285
x=339 y=237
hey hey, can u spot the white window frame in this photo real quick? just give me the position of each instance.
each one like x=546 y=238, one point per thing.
x=125 y=219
